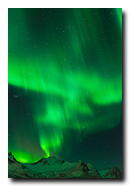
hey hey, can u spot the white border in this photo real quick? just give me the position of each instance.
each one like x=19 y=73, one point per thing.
x=3 y=60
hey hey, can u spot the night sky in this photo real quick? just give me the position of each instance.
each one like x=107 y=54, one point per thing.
x=65 y=85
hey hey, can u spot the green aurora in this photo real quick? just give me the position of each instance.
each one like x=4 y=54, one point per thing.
x=65 y=66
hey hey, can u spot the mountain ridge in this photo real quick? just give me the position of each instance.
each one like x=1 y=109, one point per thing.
x=53 y=167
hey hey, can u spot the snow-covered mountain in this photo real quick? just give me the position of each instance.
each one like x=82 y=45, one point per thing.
x=53 y=167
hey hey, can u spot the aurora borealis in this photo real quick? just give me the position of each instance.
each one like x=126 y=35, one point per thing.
x=65 y=84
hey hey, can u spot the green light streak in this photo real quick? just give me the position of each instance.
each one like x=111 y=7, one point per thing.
x=46 y=151
x=119 y=15
x=50 y=144
x=102 y=91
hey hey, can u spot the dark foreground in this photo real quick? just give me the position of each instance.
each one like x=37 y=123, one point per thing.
x=53 y=167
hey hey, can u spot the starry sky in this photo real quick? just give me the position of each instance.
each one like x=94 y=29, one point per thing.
x=65 y=84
